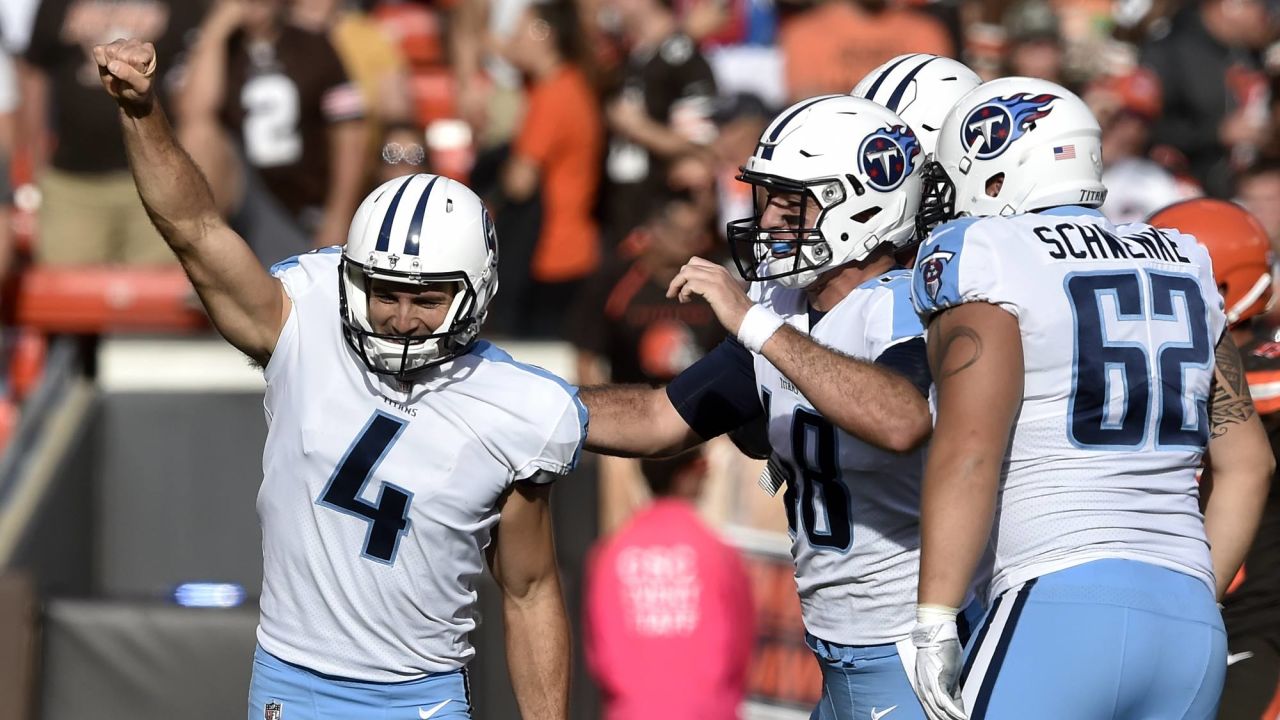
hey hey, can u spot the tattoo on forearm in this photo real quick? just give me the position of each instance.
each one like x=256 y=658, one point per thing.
x=1230 y=402
x=959 y=348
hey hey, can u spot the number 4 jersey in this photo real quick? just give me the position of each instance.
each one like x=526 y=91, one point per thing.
x=1118 y=331
x=376 y=502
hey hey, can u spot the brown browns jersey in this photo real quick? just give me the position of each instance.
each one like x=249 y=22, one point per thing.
x=280 y=100
x=1252 y=605
x=625 y=316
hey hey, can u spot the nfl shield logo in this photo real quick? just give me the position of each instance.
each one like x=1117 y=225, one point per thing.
x=275 y=711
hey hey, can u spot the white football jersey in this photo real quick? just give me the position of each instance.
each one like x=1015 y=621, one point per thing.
x=1119 y=326
x=852 y=508
x=376 y=503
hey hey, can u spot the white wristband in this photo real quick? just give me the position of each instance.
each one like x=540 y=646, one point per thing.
x=927 y=614
x=757 y=327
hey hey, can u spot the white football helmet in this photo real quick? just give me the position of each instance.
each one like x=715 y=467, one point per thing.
x=1039 y=137
x=857 y=160
x=921 y=88
x=418 y=230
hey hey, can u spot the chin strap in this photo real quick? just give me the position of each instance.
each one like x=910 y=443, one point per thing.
x=1251 y=297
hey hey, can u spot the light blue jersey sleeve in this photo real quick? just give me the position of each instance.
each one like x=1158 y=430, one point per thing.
x=893 y=319
x=957 y=265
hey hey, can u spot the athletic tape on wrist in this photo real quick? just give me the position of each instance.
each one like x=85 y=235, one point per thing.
x=927 y=614
x=757 y=327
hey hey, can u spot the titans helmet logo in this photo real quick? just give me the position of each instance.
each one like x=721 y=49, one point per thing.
x=995 y=124
x=931 y=268
x=887 y=156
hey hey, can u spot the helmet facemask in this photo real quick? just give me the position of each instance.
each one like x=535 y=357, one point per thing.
x=793 y=256
x=937 y=199
x=399 y=356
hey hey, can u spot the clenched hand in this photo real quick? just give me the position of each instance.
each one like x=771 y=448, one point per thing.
x=127 y=69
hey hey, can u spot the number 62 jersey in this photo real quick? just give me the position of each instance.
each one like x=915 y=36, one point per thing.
x=377 y=501
x=1118 y=328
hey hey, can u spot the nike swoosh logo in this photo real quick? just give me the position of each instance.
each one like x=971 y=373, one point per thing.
x=877 y=715
x=425 y=714
x=1234 y=658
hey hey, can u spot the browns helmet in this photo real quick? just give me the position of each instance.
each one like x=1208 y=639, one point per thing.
x=1237 y=244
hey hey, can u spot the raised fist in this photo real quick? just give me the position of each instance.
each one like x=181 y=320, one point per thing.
x=127 y=68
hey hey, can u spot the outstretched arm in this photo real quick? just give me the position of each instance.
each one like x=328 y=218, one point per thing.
x=635 y=421
x=1238 y=468
x=523 y=560
x=870 y=402
x=245 y=303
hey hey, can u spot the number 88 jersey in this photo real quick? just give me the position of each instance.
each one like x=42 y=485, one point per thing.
x=1118 y=328
x=852 y=508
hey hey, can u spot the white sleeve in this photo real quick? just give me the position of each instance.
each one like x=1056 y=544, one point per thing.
x=300 y=273
x=562 y=442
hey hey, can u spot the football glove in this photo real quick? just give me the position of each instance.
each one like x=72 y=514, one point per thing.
x=938 y=662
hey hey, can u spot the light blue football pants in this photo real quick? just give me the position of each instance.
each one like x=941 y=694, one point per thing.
x=870 y=682
x=1106 y=640
x=284 y=691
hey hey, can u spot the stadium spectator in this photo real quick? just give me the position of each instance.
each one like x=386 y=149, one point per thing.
x=740 y=120
x=1034 y=38
x=265 y=103
x=373 y=60
x=418 y=29
x=554 y=163
x=488 y=93
x=625 y=328
x=712 y=178
x=669 y=620
x=90 y=212
x=1126 y=106
x=661 y=112
x=1258 y=189
x=1215 y=95
x=831 y=46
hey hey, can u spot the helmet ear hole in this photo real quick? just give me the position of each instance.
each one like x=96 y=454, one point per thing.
x=995 y=184
x=866 y=215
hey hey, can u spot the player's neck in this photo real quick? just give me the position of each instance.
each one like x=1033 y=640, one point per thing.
x=836 y=285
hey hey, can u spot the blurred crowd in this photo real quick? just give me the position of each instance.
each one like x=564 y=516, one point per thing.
x=605 y=134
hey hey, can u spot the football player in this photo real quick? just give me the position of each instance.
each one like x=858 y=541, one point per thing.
x=1081 y=374
x=828 y=350
x=400 y=451
x=1242 y=264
